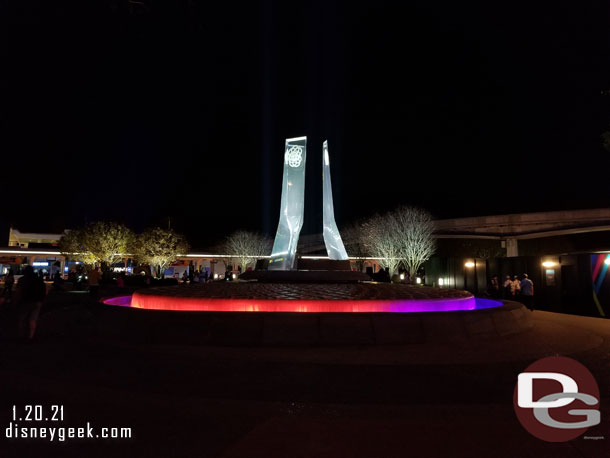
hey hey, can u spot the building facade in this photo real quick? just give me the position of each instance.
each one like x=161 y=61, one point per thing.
x=560 y=252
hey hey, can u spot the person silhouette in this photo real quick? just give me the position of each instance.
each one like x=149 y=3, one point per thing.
x=31 y=292
x=7 y=292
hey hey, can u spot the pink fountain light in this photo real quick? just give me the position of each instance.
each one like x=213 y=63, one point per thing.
x=201 y=304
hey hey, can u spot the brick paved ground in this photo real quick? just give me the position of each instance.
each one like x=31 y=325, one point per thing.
x=306 y=291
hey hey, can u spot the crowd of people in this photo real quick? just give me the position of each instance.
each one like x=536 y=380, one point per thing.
x=193 y=276
x=515 y=288
x=27 y=297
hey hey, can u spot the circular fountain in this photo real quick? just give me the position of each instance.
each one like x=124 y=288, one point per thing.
x=251 y=313
x=298 y=300
x=306 y=298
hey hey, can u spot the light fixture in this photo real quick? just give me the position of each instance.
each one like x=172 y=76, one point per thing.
x=469 y=264
x=402 y=277
x=607 y=260
x=441 y=282
x=551 y=263
x=234 y=276
x=418 y=280
x=215 y=276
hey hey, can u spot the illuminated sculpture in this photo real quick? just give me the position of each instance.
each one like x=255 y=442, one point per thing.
x=289 y=227
x=291 y=207
x=332 y=238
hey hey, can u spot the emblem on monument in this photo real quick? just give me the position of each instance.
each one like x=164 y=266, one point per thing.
x=294 y=156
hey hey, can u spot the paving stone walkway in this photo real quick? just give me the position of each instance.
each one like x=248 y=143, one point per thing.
x=306 y=291
x=418 y=400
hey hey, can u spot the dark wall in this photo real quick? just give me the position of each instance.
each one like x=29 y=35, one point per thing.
x=455 y=274
x=474 y=248
x=570 y=290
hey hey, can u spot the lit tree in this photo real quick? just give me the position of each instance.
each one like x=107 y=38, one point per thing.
x=415 y=229
x=244 y=247
x=159 y=248
x=403 y=236
x=103 y=243
x=72 y=245
x=382 y=240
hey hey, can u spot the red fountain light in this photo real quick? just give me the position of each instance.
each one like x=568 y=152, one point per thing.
x=199 y=304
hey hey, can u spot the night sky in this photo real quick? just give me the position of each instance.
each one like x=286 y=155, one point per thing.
x=140 y=112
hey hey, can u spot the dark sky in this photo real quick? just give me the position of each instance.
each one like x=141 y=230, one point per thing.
x=138 y=112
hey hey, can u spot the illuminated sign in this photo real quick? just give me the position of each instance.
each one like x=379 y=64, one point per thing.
x=40 y=264
x=294 y=156
x=550 y=277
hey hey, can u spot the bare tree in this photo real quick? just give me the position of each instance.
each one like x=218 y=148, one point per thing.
x=244 y=247
x=382 y=240
x=354 y=237
x=403 y=236
x=415 y=230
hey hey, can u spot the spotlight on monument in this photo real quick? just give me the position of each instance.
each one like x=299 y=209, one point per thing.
x=313 y=285
x=291 y=206
x=284 y=264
